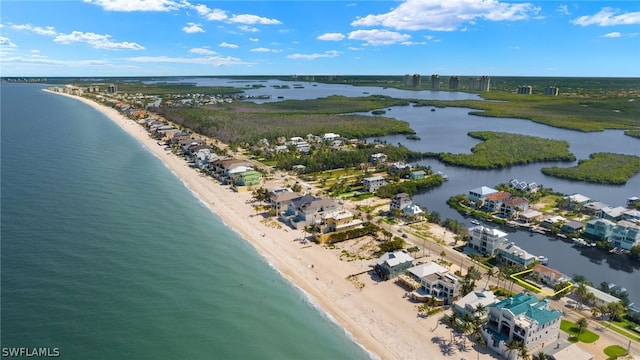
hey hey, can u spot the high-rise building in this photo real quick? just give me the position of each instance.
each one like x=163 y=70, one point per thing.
x=482 y=83
x=454 y=83
x=551 y=91
x=435 y=81
x=416 y=80
x=525 y=90
x=407 y=80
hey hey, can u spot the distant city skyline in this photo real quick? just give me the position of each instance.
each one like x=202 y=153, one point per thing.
x=224 y=38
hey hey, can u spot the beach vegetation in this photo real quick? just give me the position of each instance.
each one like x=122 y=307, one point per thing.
x=410 y=187
x=602 y=168
x=367 y=228
x=390 y=246
x=500 y=149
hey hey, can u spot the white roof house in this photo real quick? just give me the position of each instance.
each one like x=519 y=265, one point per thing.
x=470 y=302
x=330 y=137
x=422 y=270
x=394 y=258
x=412 y=210
x=480 y=193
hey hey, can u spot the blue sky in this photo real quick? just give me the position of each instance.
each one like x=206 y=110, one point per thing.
x=191 y=37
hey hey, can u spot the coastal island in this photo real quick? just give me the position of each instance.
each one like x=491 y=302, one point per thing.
x=336 y=275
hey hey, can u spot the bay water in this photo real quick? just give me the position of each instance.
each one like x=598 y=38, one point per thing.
x=105 y=254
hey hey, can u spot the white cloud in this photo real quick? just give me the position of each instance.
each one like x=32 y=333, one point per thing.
x=6 y=42
x=379 y=37
x=253 y=19
x=246 y=28
x=202 y=51
x=213 y=61
x=331 y=37
x=563 y=9
x=447 y=15
x=326 y=54
x=254 y=39
x=614 y=34
x=211 y=14
x=227 y=45
x=608 y=17
x=137 y=5
x=45 y=61
x=48 y=30
x=97 y=41
x=265 y=50
x=192 y=28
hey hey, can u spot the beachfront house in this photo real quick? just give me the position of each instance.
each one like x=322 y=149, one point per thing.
x=599 y=229
x=625 y=235
x=392 y=264
x=336 y=221
x=373 y=183
x=280 y=201
x=412 y=278
x=441 y=286
x=486 y=240
x=307 y=210
x=523 y=318
x=475 y=304
x=562 y=349
x=245 y=180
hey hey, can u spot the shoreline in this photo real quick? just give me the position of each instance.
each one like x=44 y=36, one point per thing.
x=375 y=315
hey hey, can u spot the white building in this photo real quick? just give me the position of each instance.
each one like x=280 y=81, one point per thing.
x=486 y=240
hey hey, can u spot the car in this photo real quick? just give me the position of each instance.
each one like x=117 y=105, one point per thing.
x=405 y=235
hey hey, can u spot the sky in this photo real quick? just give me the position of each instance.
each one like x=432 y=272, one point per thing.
x=48 y=38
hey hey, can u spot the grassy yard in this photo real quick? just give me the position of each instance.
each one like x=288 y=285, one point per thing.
x=614 y=351
x=571 y=328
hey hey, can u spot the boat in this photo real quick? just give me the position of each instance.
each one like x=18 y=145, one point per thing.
x=365 y=92
x=543 y=260
x=433 y=109
x=475 y=222
x=280 y=97
x=579 y=242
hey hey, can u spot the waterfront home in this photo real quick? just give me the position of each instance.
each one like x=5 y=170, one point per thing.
x=562 y=349
x=469 y=304
x=549 y=276
x=632 y=201
x=222 y=167
x=550 y=221
x=520 y=318
x=577 y=199
x=412 y=211
x=529 y=216
x=373 y=183
x=486 y=240
x=611 y=213
x=601 y=297
x=417 y=175
x=493 y=201
x=329 y=137
x=599 y=229
x=511 y=207
x=633 y=311
x=593 y=207
x=378 y=158
x=399 y=201
x=632 y=215
x=400 y=166
x=625 y=235
x=522 y=185
x=336 y=221
x=480 y=193
x=392 y=264
x=512 y=254
x=280 y=201
x=572 y=227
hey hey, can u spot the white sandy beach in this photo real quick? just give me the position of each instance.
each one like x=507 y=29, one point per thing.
x=376 y=315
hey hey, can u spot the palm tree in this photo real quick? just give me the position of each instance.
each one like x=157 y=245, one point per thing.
x=491 y=272
x=539 y=356
x=582 y=324
x=523 y=352
x=512 y=345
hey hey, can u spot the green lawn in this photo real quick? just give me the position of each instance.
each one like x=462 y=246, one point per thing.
x=614 y=351
x=587 y=336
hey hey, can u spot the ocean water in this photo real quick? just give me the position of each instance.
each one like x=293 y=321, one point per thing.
x=106 y=255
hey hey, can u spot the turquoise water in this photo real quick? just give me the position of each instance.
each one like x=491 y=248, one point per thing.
x=106 y=255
